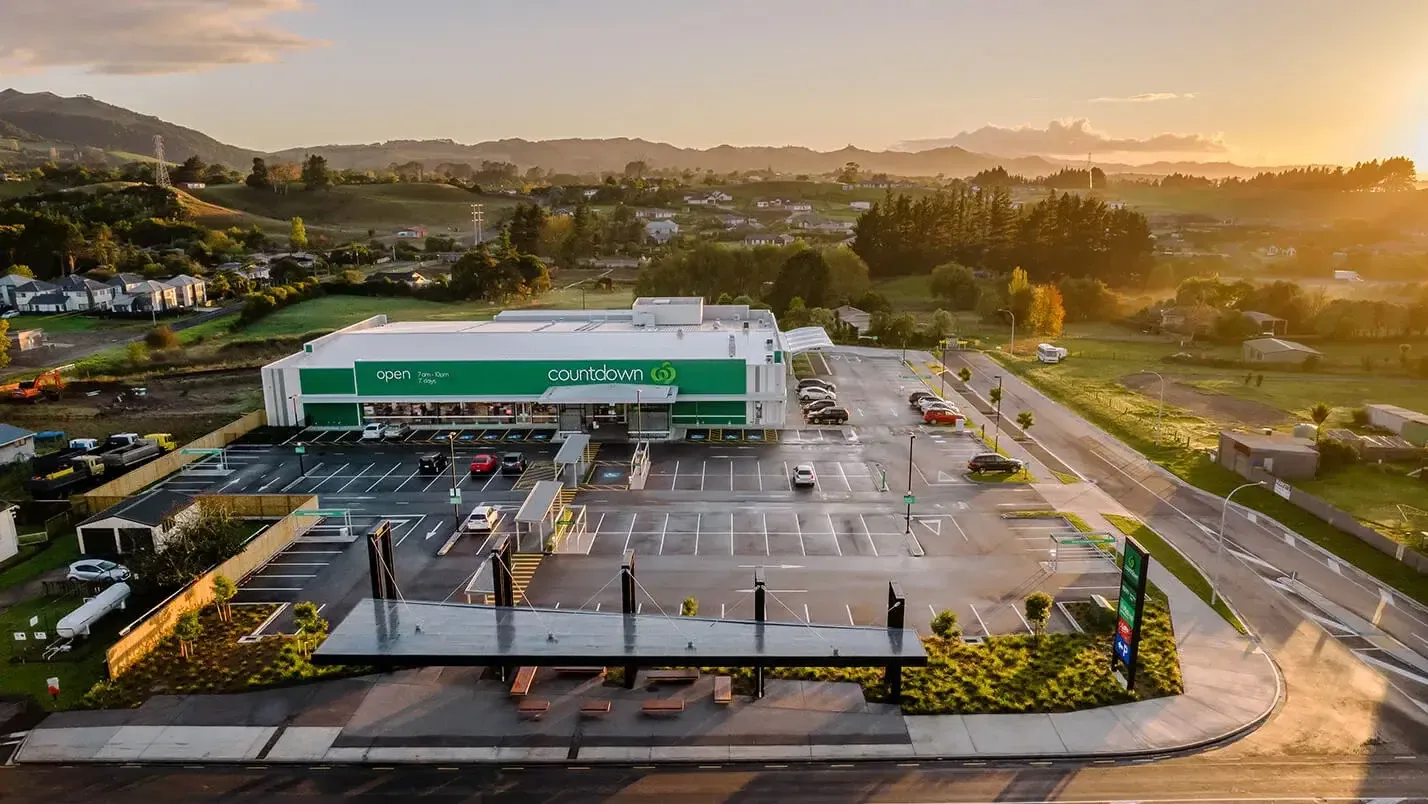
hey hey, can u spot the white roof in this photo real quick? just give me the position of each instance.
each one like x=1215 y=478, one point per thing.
x=806 y=339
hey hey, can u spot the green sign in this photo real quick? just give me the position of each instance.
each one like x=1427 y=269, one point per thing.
x=319 y=512
x=301 y=449
x=909 y=499
x=1125 y=642
x=200 y=451
x=1132 y=566
x=511 y=378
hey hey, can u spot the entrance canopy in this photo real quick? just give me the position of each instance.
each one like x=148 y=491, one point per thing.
x=806 y=339
x=394 y=633
x=609 y=394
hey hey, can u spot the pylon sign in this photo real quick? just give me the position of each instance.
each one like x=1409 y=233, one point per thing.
x=1130 y=608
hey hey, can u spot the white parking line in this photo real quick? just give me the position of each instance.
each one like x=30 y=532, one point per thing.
x=868 y=533
x=849 y=609
x=299 y=477
x=1022 y=617
x=430 y=483
x=360 y=472
x=674 y=484
x=383 y=477
x=801 y=548
x=698 y=520
x=758 y=467
x=959 y=529
x=335 y=473
x=266 y=576
x=662 y=529
x=731 y=533
x=703 y=466
x=766 y=534
x=835 y=534
x=405 y=480
x=845 y=475
x=980 y=624
x=630 y=532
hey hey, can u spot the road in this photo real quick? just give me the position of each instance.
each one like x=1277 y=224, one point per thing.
x=1188 y=780
x=1329 y=596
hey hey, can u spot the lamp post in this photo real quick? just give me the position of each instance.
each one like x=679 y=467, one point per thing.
x=997 y=428
x=944 y=368
x=292 y=399
x=1011 y=345
x=1159 y=416
x=1220 y=544
x=910 y=439
x=455 y=503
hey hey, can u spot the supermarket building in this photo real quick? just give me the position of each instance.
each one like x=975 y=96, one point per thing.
x=650 y=372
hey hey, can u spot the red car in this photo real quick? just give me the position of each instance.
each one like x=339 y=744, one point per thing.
x=484 y=464
x=939 y=416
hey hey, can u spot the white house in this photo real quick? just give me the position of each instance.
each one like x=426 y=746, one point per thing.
x=16 y=444
x=654 y=214
x=83 y=294
x=8 y=283
x=661 y=231
x=696 y=200
x=189 y=291
x=192 y=185
x=27 y=293
x=9 y=538
x=860 y=205
x=733 y=221
x=798 y=206
x=411 y=279
x=137 y=523
x=768 y=240
x=590 y=192
x=122 y=282
x=720 y=197
x=147 y=297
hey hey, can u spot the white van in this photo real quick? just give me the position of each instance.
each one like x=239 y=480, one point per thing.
x=1047 y=353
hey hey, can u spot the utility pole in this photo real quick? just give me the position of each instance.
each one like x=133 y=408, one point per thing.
x=455 y=500
x=908 y=499
x=478 y=217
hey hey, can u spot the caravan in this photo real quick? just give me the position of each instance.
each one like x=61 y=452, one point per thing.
x=1047 y=353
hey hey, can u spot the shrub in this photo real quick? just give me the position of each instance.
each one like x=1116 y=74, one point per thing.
x=689 y=608
x=162 y=338
x=137 y=352
x=1360 y=417
x=1335 y=455
x=945 y=624
x=1038 y=611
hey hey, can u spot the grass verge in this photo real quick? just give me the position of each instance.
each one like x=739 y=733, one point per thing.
x=23 y=670
x=35 y=560
x=1022 y=476
x=1179 y=566
x=1066 y=477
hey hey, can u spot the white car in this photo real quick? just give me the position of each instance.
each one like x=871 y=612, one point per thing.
x=483 y=519
x=934 y=402
x=373 y=432
x=395 y=431
x=97 y=569
x=804 y=476
x=813 y=392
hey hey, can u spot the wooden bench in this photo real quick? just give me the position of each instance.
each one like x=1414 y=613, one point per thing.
x=524 y=678
x=594 y=707
x=723 y=689
x=663 y=706
x=580 y=671
x=533 y=708
x=672 y=676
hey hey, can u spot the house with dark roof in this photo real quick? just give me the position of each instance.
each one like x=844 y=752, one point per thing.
x=136 y=523
x=1267 y=324
x=147 y=297
x=83 y=294
x=8 y=283
x=122 y=282
x=411 y=279
x=27 y=292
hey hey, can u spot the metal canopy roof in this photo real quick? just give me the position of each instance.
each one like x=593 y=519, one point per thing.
x=806 y=339
x=572 y=450
x=395 y=633
x=538 y=502
x=609 y=394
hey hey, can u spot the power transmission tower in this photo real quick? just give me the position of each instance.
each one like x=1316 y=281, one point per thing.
x=1090 y=177
x=161 y=168
x=478 y=216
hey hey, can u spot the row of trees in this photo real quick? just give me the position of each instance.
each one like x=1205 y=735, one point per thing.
x=1063 y=234
x=821 y=277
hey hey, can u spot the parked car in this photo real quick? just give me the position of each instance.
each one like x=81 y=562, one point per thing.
x=817 y=405
x=513 y=463
x=814 y=392
x=433 y=463
x=994 y=462
x=483 y=519
x=484 y=463
x=97 y=569
x=916 y=397
x=828 y=416
x=940 y=416
x=934 y=402
x=804 y=476
x=813 y=382
x=8 y=314
x=947 y=406
x=373 y=431
x=395 y=431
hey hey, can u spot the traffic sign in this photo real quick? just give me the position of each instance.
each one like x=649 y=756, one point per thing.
x=1282 y=489
x=909 y=499
x=454 y=496
x=200 y=451
x=300 y=449
x=319 y=512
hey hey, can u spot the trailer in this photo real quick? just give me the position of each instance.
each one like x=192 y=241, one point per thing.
x=77 y=472
x=78 y=622
x=127 y=457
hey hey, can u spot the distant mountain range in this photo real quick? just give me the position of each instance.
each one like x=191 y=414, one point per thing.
x=85 y=122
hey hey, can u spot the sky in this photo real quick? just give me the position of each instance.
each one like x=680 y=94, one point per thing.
x=1253 y=81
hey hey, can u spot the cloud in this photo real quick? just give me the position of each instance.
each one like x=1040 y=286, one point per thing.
x=143 y=37
x=1148 y=97
x=1067 y=138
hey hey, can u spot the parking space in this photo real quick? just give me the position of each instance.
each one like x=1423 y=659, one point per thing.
x=776 y=531
x=755 y=474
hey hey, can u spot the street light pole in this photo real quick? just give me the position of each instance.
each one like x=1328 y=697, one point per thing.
x=1220 y=543
x=910 y=440
x=1011 y=345
x=997 y=428
x=292 y=398
x=455 y=506
x=944 y=368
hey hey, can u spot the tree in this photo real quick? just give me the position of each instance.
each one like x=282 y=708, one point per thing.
x=848 y=174
x=943 y=324
x=353 y=277
x=162 y=338
x=192 y=170
x=689 y=608
x=1038 y=612
x=1047 y=312
x=1319 y=414
x=223 y=591
x=315 y=175
x=20 y=270
x=188 y=629
x=964 y=374
x=312 y=628
x=636 y=169
x=945 y=626
x=804 y=275
x=995 y=395
x=1025 y=420
x=259 y=179
x=137 y=352
x=955 y=284
x=297 y=234
x=4 y=343
x=193 y=546
x=894 y=330
x=1020 y=296
x=847 y=275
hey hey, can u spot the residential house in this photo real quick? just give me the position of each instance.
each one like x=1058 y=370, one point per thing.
x=798 y=206
x=590 y=192
x=147 y=297
x=192 y=185
x=766 y=239
x=9 y=538
x=615 y=262
x=696 y=200
x=810 y=222
x=37 y=296
x=661 y=231
x=8 y=283
x=862 y=206
x=122 y=282
x=1267 y=324
x=770 y=203
x=190 y=291
x=1189 y=319
x=733 y=221
x=411 y=279
x=138 y=523
x=1410 y=424
x=654 y=214
x=859 y=320
x=1280 y=455
x=83 y=294
x=1277 y=350
x=16 y=444
x=720 y=197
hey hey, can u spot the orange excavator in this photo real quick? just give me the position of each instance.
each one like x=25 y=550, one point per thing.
x=45 y=386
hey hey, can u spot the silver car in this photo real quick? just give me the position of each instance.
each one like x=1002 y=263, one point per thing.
x=97 y=569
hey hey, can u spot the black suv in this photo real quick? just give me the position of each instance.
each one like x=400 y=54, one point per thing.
x=432 y=463
x=828 y=416
x=994 y=462
x=513 y=463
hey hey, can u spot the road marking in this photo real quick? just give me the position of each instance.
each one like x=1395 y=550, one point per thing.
x=383 y=477
x=836 y=546
x=839 y=464
x=300 y=477
x=404 y=480
x=411 y=529
x=703 y=465
x=959 y=528
x=266 y=576
x=980 y=624
x=759 y=468
x=344 y=486
x=674 y=484
x=1334 y=566
x=662 y=529
x=806 y=616
x=698 y=520
x=766 y=534
x=868 y=533
x=329 y=477
x=431 y=532
x=731 y=533
x=1022 y=618
x=849 y=609
x=796 y=524
x=630 y=532
x=430 y=483
x=934 y=611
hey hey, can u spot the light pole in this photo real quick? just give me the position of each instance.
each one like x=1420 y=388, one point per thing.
x=910 y=440
x=1220 y=544
x=944 y=368
x=455 y=502
x=1011 y=345
x=292 y=398
x=997 y=428
x=1159 y=416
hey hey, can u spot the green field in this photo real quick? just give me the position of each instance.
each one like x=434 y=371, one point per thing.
x=382 y=207
x=14 y=189
x=78 y=670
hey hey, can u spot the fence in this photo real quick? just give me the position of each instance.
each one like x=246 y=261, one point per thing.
x=120 y=488
x=141 y=638
x=1346 y=522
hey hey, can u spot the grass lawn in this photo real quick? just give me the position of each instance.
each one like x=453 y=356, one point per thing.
x=15 y=189
x=1167 y=556
x=77 y=670
x=1381 y=495
x=73 y=322
x=383 y=207
x=1022 y=476
x=34 y=561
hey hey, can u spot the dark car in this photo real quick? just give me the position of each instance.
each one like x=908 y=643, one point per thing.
x=994 y=462
x=513 y=463
x=828 y=416
x=818 y=404
x=432 y=463
x=484 y=463
x=917 y=396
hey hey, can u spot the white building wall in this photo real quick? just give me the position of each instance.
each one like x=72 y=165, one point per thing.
x=22 y=450
x=9 y=538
